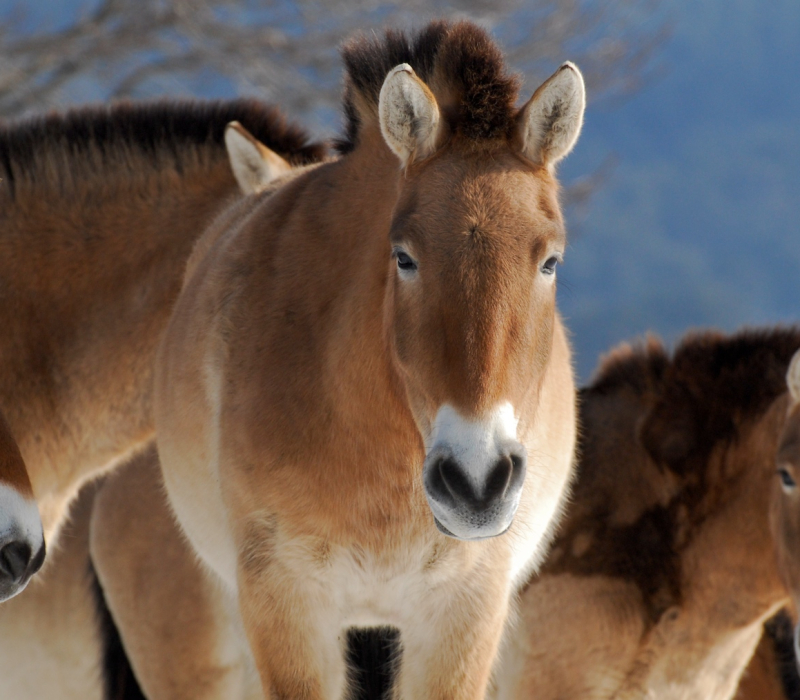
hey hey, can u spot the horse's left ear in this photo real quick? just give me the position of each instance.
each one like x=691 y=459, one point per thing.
x=254 y=165
x=408 y=114
x=793 y=378
x=550 y=123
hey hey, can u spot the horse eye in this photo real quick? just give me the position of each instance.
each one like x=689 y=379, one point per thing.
x=405 y=261
x=787 y=480
x=549 y=266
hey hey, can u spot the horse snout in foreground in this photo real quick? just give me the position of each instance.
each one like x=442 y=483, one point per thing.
x=474 y=473
x=22 y=546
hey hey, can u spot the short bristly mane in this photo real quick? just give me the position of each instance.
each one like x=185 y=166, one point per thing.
x=459 y=62
x=717 y=384
x=708 y=392
x=635 y=365
x=736 y=375
x=56 y=149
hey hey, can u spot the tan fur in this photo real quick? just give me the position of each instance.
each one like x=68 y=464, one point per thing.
x=65 y=353
x=661 y=577
x=93 y=243
x=50 y=641
x=12 y=466
x=254 y=165
x=181 y=629
x=299 y=379
x=173 y=616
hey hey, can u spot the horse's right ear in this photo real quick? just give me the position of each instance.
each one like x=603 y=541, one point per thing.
x=793 y=378
x=254 y=165
x=408 y=114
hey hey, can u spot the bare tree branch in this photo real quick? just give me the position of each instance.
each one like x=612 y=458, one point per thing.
x=286 y=52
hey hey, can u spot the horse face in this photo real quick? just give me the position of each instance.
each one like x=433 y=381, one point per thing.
x=475 y=243
x=785 y=507
x=475 y=239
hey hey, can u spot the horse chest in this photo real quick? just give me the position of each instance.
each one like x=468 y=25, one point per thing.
x=354 y=588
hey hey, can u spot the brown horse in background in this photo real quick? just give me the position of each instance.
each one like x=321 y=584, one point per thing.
x=785 y=506
x=665 y=557
x=364 y=400
x=99 y=211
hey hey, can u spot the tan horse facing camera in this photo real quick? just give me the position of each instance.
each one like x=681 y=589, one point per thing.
x=364 y=400
x=652 y=590
x=99 y=211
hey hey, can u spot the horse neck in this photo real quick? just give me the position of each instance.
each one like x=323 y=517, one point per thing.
x=89 y=276
x=369 y=422
x=373 y=184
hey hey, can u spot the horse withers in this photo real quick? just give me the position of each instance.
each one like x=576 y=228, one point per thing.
x=364 y=400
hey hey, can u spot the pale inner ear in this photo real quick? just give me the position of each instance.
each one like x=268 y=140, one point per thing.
x=551 y=121
x=254 y=165
x=409 y=115
x=793 y=378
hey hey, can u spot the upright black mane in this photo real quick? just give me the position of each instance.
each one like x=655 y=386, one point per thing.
x=459 y=62
x=164 y=129
x=736 y=375
x=636 y=365
x=695 y=400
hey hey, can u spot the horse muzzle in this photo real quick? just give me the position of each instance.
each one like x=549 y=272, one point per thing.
x=22 y=547
x=474 y=506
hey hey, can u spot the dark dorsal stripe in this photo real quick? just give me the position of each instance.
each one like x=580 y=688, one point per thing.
x=157 y=130
x=481 y=95
x=373 y=660
x=118 y=679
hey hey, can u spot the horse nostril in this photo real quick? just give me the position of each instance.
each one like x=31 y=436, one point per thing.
x=455 y=480
x=499 y=479
x=14 y=560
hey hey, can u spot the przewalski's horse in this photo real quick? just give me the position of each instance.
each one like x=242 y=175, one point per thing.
x=99 y=210
x=56 y=642
x=182 y=634
x=785 y=506
x=665 y=557
x=364 y=399
x=22 y=545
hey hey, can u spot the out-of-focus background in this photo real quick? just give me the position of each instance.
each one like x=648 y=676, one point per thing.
x=683 y=195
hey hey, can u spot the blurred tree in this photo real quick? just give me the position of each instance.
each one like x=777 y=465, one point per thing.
x=285 y=52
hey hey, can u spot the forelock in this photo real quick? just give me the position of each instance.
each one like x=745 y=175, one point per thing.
x=459 y=62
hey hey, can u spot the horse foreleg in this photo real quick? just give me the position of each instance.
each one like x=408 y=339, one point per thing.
x=178 y=623
x=298 y=656
x=449 y=649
